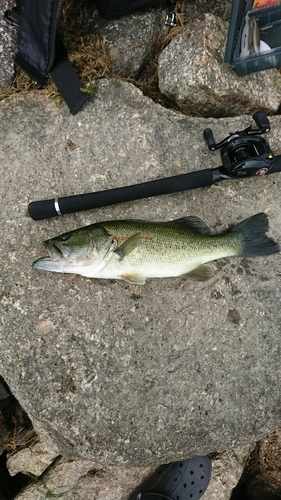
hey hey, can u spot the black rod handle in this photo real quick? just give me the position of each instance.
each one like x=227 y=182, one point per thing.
x=44 y=209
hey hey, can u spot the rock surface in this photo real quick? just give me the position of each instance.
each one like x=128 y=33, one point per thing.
x=227 y=468
x=33 y=459
x=124 y=374
x=193 y=74
x=7 y=47
x=86 y=481
x=131 y=44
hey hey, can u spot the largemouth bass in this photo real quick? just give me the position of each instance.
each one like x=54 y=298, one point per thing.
x=133 y=250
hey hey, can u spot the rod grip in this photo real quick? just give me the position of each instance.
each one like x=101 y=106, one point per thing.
x=44 y=209
x=39 y=210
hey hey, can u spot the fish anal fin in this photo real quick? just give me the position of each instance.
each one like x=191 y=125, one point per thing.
x=193 y=224
x=133 y=278
x=128 y=246
x=201 y=273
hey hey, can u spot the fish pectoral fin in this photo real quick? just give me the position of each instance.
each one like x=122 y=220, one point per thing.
x=200 y=273
x=128 y=246
x=133 y=278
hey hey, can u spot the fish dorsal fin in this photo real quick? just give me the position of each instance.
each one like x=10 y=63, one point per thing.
x=133 y=278
x=193 y=224
x=200 y=273
x=128 y=246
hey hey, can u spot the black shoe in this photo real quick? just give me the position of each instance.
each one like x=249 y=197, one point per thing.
x=185 y=480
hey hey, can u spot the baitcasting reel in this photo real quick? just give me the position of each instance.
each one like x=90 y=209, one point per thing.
x=244 y=153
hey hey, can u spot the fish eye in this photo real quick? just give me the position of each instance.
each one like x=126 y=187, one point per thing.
x=64 y=237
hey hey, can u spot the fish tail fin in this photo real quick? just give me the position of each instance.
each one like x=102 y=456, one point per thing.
x=255 y=243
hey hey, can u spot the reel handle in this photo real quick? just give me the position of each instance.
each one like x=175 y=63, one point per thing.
x=262 y=121
x=209 y=138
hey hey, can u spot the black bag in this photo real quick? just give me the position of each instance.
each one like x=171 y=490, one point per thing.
x=112 y=9
x=41 y=50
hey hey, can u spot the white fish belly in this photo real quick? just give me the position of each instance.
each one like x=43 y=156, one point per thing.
x=153 y=266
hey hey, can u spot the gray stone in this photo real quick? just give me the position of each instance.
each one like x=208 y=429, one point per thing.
x=86 y=480
x=227 y=468
x=33 y=459
x=132 y=39
x=8 y=40
x=192 y=73
x=120 y=374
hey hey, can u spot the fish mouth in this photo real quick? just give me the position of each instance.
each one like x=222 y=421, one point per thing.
x=55 y=253
x=56 y=260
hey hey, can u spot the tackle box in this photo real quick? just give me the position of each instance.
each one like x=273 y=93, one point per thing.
x=266 y=23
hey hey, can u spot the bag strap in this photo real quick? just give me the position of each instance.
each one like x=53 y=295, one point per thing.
x=41 y=50
x=66 y=80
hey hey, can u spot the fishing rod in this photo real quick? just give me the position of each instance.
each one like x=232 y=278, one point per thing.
x=243 y=154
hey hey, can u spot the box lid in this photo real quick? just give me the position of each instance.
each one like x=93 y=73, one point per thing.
x=237 y=14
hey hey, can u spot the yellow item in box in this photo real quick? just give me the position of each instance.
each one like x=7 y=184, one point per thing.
x=262 y=4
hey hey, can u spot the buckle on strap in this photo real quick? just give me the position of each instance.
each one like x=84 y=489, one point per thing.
x=12 y=17
x=170 y=19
